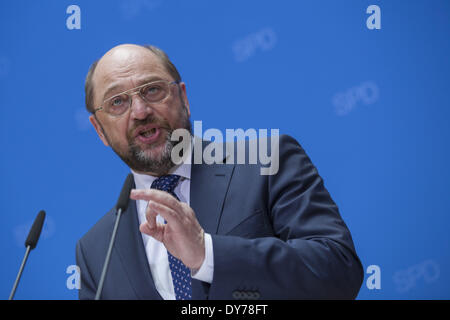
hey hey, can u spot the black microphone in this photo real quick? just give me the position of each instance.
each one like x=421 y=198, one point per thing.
x=30 y=244
x=121 y=206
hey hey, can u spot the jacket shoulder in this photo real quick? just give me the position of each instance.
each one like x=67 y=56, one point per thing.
x=99 y=231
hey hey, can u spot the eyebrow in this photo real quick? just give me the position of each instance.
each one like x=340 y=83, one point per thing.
x=115 y=86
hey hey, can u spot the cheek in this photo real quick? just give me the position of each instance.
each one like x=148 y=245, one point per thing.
x=174 y=114
x=117 y=132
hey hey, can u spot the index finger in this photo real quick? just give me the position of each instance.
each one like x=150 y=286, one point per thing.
x=158 y=196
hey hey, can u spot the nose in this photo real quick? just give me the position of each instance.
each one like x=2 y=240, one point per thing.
x=140 y=109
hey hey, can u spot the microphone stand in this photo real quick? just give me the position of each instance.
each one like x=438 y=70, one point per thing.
x=16 y=283
x=108 y=256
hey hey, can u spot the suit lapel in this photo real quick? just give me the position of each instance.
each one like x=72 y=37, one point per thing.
x=130 y=248
x=209 y=185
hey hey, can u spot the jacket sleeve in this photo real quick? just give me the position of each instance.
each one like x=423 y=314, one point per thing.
x=310 y=256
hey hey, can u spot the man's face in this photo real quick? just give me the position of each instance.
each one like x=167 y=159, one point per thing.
x=140 y=136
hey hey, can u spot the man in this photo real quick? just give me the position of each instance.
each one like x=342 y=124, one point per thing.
x=205 y=231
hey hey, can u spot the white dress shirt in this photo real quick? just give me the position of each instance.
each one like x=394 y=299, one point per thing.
x=156 y=251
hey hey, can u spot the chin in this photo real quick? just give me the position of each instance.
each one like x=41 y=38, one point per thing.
x=156 y=152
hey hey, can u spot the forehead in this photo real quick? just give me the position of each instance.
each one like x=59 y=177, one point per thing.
x=125 y=67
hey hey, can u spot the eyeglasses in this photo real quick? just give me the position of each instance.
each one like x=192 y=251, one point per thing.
x=152 y=92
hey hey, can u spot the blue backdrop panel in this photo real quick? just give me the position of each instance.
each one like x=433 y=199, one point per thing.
x=371 y=108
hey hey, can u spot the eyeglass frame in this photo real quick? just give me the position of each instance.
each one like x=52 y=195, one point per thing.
x=135 y=90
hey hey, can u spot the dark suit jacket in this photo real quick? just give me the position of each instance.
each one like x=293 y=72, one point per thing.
x=274 y=237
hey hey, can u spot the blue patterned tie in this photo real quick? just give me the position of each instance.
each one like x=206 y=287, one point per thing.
x=181 y=275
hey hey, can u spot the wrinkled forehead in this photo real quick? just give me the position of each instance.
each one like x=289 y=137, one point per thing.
x=126 y=67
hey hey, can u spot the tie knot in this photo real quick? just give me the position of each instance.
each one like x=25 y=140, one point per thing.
x=166 y=183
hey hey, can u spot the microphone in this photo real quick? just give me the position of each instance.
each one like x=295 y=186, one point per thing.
x=30 y=244
x=121 y=206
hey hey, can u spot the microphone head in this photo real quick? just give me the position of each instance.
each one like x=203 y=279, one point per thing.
x=124 y=198
x=35 y=231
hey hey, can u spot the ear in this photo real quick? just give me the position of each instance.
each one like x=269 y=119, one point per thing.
x=98 y=128
x=184 y=97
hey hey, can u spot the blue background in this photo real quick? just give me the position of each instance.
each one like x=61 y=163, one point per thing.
x=299 y=66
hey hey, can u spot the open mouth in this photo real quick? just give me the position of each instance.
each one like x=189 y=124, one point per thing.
x=149 y=134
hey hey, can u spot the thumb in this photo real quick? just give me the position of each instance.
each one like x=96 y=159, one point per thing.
x=156 y=232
